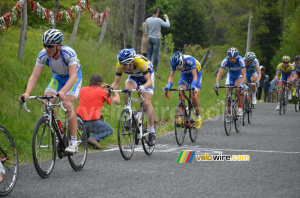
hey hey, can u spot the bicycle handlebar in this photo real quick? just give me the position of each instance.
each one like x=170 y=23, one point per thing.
x=179 y=89
x=124 y=91
x=226 y=86
x=23 y=102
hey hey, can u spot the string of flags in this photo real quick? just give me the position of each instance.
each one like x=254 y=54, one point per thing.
x=51 y=16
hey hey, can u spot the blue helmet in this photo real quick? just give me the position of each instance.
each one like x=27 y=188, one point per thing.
x=176 y=60
x=233 y=52
x=126 y=56
x=52 y=36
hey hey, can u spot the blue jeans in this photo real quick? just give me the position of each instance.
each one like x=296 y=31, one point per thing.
x=100 y=129
x=153 y=48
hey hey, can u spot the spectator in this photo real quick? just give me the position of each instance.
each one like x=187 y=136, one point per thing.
x=261 y=82
x=144 y=45
x=273 y=90
x=153 y=28
x=91 y=100
x=266 y=89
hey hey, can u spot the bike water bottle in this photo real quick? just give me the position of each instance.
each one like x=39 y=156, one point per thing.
x=139 y=116
x=60 y=126
x=187 y=109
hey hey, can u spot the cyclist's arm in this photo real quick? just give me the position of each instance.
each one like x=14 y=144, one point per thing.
x=71 y=81
x=171 y=77
x=194 y=73
x=149 y=82
x=33 y=80
x=117 y=81
x=243 y=71
x=116 y=99
x=219 y=76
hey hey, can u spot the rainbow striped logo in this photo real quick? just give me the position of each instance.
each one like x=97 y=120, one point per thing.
x=186 y=156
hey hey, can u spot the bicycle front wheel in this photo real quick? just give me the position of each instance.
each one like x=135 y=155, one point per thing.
x=43 y=147
x=126 y=135
x=237 y=120
x=285 y=101
x=281 y=101
x=9 y=162
x=147 y=148
x=250 y=108
x=192 y=130
x=227 y=116
x=77 y=161
x=245 y=101
x=180 y=123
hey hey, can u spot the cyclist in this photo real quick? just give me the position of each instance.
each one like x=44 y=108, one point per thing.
x=2 y=172
x=287 y=74
x=296 y=65
x=141 y=76
x=236 y=75
x=191 y=77
x=253 y=73
x=66 y=80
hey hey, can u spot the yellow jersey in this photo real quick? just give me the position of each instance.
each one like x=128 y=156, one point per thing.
x=140 y=67
x=285 y=70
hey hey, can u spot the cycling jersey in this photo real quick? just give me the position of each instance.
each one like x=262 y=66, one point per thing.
x=59 y=67
x=297 y=68
x=286 y=71
x=251 y=69
x=234 y=69
x=140 y=67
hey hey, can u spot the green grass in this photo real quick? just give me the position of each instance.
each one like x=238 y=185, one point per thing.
x=14 y=75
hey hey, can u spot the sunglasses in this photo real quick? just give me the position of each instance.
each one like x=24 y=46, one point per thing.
x=49 y=46
x=248 y=61
x=285 y=62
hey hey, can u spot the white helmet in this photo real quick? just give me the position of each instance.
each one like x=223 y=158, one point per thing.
x=52 y=36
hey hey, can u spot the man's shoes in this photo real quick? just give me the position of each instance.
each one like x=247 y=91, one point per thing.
x=151 y=140
x=240 y=112
x=278 y=107
x=290 y=95
x=94 y=143
x=198 y=124
x=254 y=101
x=72 y=148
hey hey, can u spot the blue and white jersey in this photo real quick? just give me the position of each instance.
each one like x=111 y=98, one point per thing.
x=189 y=64
x=60 y=66
x=251 y=69
x=235 y=68
x=297 y=69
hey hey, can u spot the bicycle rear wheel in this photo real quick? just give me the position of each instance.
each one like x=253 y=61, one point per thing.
x=77 y=161
x=237 y=120
x=227 y=117
x=245 y=101
x=192 y=130
x=126 y=135
x=180 y=123
x=43 y=147
x=250 y=108
x=9 y=161
x=147 y=148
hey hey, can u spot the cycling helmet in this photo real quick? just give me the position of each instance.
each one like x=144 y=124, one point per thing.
x=126 y=56
x=52 y=36
x=233 y=52
x=176 y=60
x=250 y=56
x=297 y=58
x=286 y=59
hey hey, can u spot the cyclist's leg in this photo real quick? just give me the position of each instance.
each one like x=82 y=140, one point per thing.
x=131 y=83
x=253 y=79
x=240 y=95
x=279 y=94
x=183 y=84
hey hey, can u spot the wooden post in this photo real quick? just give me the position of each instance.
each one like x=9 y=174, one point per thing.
x=208 y=59
x=139 y=14
x=56 y=4
x=23 y=31
x=249 y=32
x=104 y=26
x=75 y=28
x=184 y=48
x=203 y=58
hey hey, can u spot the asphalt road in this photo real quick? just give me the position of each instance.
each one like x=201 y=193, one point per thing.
x=272 y=143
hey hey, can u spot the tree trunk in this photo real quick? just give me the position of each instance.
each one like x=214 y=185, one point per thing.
x=23 y=31
x=75 y=28
x=104 y=26
x=249 y=36
x=56 y=5
x=139 y=14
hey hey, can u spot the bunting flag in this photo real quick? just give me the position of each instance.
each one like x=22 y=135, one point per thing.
x=51 y=16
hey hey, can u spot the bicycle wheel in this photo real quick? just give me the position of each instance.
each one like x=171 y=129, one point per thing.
x=237 y=119
x=227 y=117
x=192 y=130
x=281 y=101
x=77 y=161
x=285 y=101
x=148 y=149
x=180 y=123
x=245 y=111
x=126 y=135
x=250 y=108
x=296 y=101
x=43 y=147
x=9 y=161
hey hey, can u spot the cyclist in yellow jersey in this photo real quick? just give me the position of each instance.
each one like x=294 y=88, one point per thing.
x=141 y=76
x=287 y=72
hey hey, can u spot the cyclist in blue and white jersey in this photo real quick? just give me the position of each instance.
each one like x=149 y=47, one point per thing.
x=253 y=73
x=191 y=77
x=236 y=75
x=66 y=80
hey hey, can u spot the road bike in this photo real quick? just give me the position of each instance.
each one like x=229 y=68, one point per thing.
x=48 y=138
x=9 y=162
x=185 y=116
x=283 y=98
x=132 y=128
x=230 y=114
x=297 y=96
x=247 y=103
